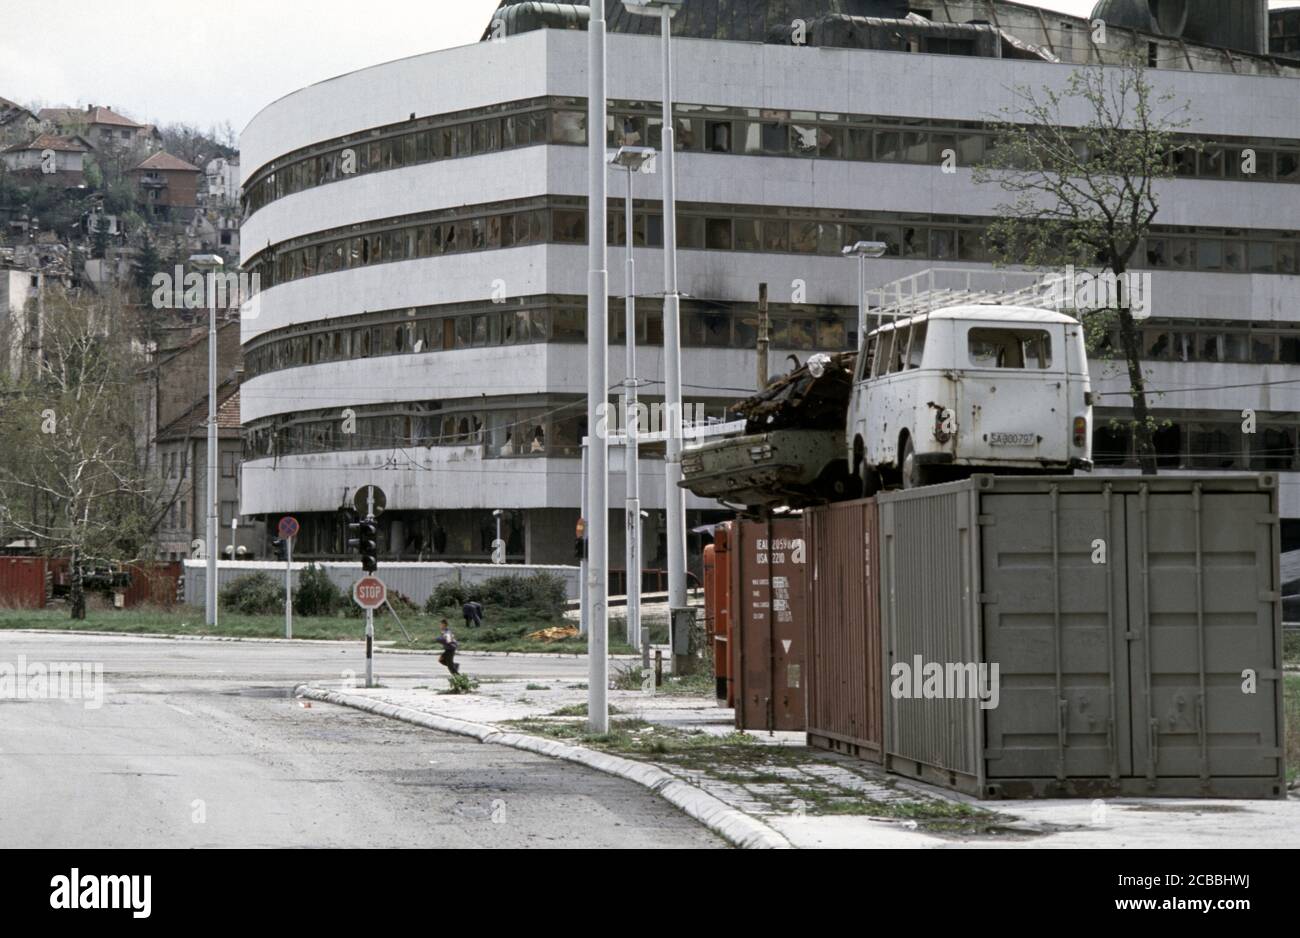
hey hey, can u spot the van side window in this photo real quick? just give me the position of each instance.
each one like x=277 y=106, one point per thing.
x=1010 y=348
x=863 y=369
x=916 y=350
x=898 y=349
x=880 y=354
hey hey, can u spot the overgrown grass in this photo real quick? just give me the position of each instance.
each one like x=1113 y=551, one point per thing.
x=579 y=710
x=1291 y=647
x=503 y=630
x=631 y=736
x=742 y=760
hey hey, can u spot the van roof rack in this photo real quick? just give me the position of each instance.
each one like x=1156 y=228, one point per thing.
x=943 y=287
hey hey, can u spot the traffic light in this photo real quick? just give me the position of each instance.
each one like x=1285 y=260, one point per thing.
x=580 y=540
x=366 y=540
x=281 y=548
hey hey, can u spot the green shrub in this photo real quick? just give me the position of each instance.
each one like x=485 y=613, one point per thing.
x=461 y=684
x=257 y=594
x=448 y=595
x=541 y=593
x=316 y=594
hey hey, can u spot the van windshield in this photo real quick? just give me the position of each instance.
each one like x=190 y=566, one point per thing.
x=1010 y=348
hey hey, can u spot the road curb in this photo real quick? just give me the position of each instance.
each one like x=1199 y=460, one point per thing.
x=733 y=826
x=259 y=639
x=180 y=637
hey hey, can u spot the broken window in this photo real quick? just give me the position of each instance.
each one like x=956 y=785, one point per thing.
x=1010 y=348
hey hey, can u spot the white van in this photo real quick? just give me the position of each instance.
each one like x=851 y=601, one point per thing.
x=939 y=394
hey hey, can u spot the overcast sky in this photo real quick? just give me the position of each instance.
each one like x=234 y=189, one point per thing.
x=162 y=63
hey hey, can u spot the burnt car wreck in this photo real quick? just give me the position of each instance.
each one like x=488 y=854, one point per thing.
x=791 y=453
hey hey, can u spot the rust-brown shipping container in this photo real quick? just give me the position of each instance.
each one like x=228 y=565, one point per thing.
x=767 y=623
x=844 y=675
x=154 y=584
x=22 y=582
x=722 y=613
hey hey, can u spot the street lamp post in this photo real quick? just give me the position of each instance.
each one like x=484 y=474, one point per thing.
x=211 y=263
x=634 y=160
x=674 y=504
x=863 y=250
x=597 y=383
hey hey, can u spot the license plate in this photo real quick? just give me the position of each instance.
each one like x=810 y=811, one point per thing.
x=1012 y=439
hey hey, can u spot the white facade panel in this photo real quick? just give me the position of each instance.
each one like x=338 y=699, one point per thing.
x=434 y=83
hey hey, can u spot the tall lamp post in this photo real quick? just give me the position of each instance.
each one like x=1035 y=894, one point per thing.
x=674 y=502
x=211 y=263
x=634 y=160
x=597 y=383
x=863 y=250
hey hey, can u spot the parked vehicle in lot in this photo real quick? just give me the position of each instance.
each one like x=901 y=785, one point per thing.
x=940 y=393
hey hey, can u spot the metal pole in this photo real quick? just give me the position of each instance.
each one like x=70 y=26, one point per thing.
x=862 y=300
x=370 y=613
x=597 y=382
x=674 y=506
x=763 y=337
x=288 y=587
x=584 y=600
x=370 y=648
x=631 y=451
x=212 y=493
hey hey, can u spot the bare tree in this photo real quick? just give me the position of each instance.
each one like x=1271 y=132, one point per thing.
x=1085 y=194
x=74 y=472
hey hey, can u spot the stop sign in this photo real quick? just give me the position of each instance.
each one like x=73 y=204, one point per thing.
x=369 y=592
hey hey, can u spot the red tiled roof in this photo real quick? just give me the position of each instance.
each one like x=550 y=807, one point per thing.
x=228 y=413
x=162 y=161
x=74 y=115
x=10 y=110
x=52 y=142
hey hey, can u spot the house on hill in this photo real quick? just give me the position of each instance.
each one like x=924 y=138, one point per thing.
x=102 y=126
x=17 y=123
x=169 y=186
x=48 y=159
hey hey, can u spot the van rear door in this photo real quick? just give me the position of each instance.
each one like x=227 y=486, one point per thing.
x=1013 y=394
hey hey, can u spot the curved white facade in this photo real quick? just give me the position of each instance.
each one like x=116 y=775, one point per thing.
x=459 y=484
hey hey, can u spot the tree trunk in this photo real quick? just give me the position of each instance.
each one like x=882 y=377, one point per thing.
x=78 y=593
x=1131 y=344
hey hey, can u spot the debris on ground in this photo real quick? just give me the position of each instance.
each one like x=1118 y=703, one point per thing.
x=555 y=633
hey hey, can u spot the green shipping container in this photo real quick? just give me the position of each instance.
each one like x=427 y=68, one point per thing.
x=1124 y=633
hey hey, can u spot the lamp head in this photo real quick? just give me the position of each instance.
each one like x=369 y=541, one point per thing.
x=633 y=159
x=653 y=7
x=206 y=261
x=865 y=249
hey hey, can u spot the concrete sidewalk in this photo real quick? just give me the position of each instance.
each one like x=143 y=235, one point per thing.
x=814 y=798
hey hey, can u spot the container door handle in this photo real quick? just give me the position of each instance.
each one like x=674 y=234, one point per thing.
x=1153 y=739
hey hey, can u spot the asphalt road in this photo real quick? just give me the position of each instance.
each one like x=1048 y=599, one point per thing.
x=200 y=744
